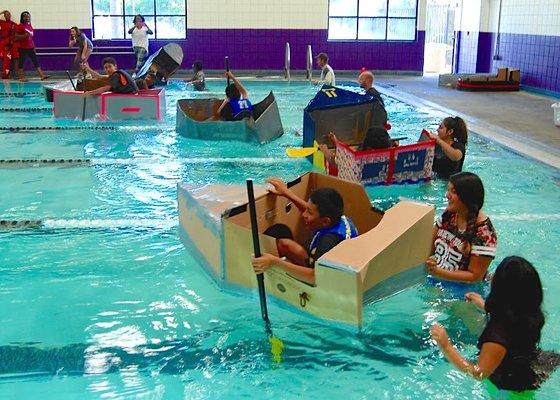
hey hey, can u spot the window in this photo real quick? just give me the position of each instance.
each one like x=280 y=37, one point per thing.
x=372 y=19
x=113 y=18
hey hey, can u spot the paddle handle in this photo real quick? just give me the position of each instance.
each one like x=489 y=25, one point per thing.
x=71 y=81
x=257 y=250
x=227 y=68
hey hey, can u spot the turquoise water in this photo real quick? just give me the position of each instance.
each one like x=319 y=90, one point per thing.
x=105 y=302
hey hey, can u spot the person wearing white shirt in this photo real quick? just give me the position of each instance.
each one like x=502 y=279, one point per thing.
x=327 y=73
x=139 y=33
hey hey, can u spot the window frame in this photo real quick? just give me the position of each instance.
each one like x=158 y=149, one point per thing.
x=129 y=17
x=386 y=18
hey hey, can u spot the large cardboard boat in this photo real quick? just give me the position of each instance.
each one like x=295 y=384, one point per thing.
x=193 y=114
x=146 y=104
x=387 y=256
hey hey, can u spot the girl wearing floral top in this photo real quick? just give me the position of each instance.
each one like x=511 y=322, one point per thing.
x=464 y=240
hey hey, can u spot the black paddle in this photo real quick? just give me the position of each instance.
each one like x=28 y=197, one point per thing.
x=71 y=81
x=276 y=343
x=227 y=68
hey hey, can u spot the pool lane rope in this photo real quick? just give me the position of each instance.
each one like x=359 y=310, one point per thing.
x=45 y=162
x=68 y=224
x=20 y=94
x=25 y=109
x=57 y=128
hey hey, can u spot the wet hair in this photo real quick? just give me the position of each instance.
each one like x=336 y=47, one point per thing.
x=377 y=137
x=22 y=14
x=515 y=299
x=470 y=190
x=459 y=128
x=138 y=15
x=141 y=83
x=197 y=65
x=323 y=57
x=232 y=92
x=109 y=60
x=329 y=203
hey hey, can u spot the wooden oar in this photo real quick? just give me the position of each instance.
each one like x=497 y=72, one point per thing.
x=227 y=68
x=276 y=344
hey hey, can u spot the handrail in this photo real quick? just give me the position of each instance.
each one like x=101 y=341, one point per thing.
x=287 y=56
x=309 y=63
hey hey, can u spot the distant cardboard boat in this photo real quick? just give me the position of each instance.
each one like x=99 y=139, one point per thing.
x=505 y=80
x=396 y=165
x=162 y=64
x=146 y=104
x=387 y=257
x=193 y=114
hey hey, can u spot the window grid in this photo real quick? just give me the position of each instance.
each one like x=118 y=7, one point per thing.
x=380 y=17
x=129 y=17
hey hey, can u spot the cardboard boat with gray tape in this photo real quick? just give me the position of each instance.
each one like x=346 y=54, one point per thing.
x=386 y=258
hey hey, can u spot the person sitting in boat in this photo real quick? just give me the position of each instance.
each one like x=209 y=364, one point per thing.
x=198 y=80
x=327 y=73
x=451 y=142
x=509 y=356
x=464 y=239
x=119 y=81
x=379 y=114
x=322 y=215
x=376 y=138
x=236 y=105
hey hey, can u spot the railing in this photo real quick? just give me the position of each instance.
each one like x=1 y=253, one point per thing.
x=99 y=50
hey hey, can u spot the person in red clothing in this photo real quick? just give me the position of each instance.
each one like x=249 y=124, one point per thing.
x=24 y=36
x=8 y=50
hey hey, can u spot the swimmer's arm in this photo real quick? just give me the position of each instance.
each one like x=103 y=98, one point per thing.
x=477 y=269
x=244 y=93
x=100 y=90
x=267 y=260
x=222 y=106
x=450 y=152
x=491 y=356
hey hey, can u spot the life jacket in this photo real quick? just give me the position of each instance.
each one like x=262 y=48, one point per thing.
x=241 y=108
x=345 y=229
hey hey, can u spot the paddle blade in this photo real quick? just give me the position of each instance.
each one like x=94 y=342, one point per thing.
x=276 y=347
x=298 y=152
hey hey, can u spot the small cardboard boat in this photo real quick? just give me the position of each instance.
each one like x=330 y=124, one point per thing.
x=192 y=121
x=505 y=80
x=396 y=165
x=146 y=104
x=387 y=257
x=162 y=64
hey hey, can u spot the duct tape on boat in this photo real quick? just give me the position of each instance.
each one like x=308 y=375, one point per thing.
x=46 y=162
x=19 y=224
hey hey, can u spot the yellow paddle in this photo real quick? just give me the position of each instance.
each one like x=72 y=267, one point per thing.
x=298 y=152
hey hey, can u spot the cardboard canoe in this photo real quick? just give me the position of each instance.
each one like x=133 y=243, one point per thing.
x=264 y=126
x=387 y=257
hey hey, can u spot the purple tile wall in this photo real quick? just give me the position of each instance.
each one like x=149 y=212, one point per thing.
x=260 y=49
x=537 y=56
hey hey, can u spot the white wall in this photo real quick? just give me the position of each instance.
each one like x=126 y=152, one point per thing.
x=52 y=14
x=201 y=14
x=533 y=17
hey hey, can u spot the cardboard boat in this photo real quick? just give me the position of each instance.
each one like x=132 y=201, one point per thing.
x=146 y=104
x=396 y=165
x=264 y=126
x=162 y=64
x=505 y=80
x=387 y=257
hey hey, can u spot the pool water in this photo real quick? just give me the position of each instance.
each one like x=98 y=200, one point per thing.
x=105 y=302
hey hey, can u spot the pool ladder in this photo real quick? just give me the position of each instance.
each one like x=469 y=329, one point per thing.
x=287 y=62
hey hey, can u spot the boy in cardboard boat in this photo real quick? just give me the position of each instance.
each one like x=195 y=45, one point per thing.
x=322 y=215
x=236 y=105
x=119 y=81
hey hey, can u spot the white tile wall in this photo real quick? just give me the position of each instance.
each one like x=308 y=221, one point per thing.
x=52 y=14
x=257 y=14
x=535 y=17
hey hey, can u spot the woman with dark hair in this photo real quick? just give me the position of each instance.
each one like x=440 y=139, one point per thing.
x=451 y=142
x=85 y=46
x=464 y=240
x=24 y=37
x=509 y=354
x=139 y=33
x=198 y=80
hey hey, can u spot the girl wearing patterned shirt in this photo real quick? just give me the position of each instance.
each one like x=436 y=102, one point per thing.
x=464 y=241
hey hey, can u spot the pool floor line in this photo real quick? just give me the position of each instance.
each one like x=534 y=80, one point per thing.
x=517 y=143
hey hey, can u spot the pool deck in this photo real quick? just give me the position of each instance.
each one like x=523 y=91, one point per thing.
x=522 y=121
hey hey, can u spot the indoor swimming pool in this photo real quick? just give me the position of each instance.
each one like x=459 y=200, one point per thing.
x=103 y=300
